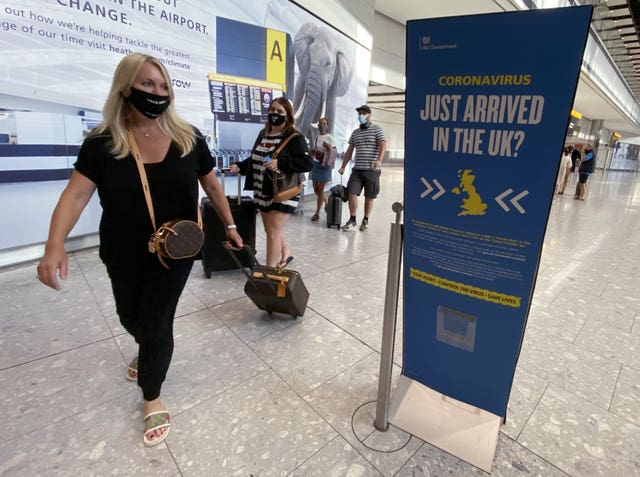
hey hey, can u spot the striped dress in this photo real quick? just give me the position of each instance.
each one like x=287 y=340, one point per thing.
x=264 y=148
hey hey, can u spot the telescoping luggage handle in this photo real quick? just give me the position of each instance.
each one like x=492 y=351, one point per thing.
x=277 y=282
x=224 y=173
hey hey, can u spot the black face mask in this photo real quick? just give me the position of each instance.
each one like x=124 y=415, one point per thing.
x=276 y=119
x=151 y=105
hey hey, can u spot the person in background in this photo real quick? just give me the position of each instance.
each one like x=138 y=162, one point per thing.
x=564 y=170
x=576 y=156
x=587 y=167
x=260 y=168
x=322 y=144
x=370 y=145
x=570 y=171
x=176 y=159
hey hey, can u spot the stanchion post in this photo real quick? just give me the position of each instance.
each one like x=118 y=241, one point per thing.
x=389 y=321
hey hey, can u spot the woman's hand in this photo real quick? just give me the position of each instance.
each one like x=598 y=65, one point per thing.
x=72 y=202
x=272 y=165
x=234 y=169
x=234 y=241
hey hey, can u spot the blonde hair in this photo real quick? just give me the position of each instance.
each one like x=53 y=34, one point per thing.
x=115 y=113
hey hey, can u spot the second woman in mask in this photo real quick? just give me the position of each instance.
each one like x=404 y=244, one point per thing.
x=260 y=169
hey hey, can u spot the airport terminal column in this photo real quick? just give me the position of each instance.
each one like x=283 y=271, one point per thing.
x=595 y=131
x=390 y=317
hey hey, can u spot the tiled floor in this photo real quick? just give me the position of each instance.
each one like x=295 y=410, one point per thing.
x=259 y=395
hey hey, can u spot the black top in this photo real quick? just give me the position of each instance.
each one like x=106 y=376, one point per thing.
x=575 y=156
x=294 y=157
x=125 y=226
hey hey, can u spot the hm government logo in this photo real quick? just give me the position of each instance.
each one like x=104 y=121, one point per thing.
x=426 y=45
x=425 y=41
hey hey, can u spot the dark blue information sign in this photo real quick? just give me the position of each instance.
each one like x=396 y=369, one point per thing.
x=487 y=107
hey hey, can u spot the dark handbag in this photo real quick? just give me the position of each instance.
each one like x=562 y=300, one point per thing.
x=174 y=239
x=285 y=185
x=177 y=239
x=274 y=289
x=340 y=191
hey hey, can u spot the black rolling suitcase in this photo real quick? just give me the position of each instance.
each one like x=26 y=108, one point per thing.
x=334 y=211
x=274 y=289
x=214 y=255
x=337 y=195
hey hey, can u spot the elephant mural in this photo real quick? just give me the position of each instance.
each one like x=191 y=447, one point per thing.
x=325 y=72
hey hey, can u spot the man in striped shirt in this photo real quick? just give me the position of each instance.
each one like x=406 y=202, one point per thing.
x=370 y=144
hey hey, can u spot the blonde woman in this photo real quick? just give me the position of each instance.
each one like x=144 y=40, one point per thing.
x=176 y=158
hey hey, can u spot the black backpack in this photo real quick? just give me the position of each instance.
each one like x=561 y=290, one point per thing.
x=340 y=191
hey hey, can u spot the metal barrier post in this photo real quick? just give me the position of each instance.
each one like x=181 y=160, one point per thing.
x=390 y=316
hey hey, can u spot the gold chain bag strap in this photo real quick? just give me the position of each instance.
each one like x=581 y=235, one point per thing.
x=176 y=238
x=285 y=186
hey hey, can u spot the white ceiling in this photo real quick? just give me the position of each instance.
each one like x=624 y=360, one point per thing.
x=589 y=101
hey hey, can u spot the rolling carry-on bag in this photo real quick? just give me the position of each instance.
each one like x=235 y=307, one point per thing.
x=214 y=255
x=337 y=195
x=334 y=211
x=273 y=289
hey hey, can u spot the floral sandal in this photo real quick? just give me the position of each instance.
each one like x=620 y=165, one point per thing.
x=153 y=422
x=132 y=370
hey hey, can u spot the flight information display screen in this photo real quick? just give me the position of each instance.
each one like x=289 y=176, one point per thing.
x=241 y=99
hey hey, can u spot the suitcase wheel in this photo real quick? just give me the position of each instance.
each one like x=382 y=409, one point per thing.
x=205 y=268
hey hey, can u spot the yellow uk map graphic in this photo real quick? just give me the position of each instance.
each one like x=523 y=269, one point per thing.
x=472 y=204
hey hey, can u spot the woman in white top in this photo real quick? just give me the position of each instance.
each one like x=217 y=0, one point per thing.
x=564 y=170
x=323 y=146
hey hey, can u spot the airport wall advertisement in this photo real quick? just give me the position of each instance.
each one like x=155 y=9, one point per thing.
x=226 y=59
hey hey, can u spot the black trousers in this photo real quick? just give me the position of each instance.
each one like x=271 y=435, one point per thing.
x=146 y=296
